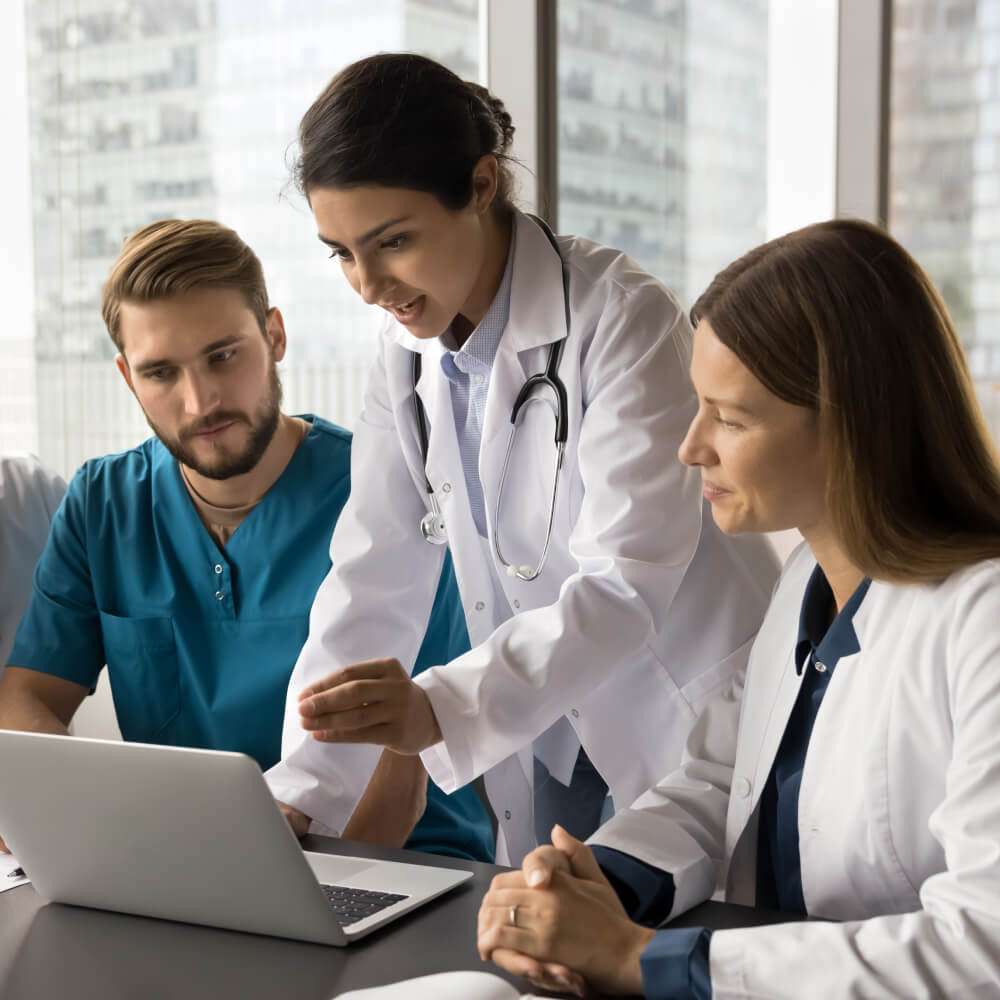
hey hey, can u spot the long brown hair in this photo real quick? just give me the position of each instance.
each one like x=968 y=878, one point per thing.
x=838 y=317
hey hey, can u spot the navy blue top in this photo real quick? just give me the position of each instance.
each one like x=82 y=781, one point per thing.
x=675 y=963
x=200 y=641
x=818 y=649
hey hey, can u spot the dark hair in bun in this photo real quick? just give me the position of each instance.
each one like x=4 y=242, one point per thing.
x=402 y=120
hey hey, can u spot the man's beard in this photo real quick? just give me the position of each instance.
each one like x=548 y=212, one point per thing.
x=263 y=425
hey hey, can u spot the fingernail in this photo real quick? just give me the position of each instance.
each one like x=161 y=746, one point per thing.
x=569 y=984
x=537 y=877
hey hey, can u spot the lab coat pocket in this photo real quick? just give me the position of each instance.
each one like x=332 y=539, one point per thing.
x=142 y=664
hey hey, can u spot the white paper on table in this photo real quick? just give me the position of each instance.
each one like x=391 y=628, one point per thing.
x=442 y=986
x=8 y=863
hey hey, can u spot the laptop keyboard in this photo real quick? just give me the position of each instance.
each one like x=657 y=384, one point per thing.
x=351 y=905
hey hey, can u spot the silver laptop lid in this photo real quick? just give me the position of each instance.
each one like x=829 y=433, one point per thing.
x=191 y=835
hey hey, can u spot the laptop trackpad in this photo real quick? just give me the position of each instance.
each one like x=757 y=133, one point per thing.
x=330 y=868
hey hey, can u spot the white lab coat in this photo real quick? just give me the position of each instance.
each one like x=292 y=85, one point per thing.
x=899 y=806
x=643 y=610
x=29 y=496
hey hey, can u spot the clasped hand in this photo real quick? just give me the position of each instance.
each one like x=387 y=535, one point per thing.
x=371 y=702
x=569 y=930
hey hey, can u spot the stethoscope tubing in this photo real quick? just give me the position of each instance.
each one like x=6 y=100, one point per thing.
x=432 y=525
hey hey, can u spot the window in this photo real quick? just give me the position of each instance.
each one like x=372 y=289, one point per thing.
x=944 y=168
x=676 y=115
x=145 y=110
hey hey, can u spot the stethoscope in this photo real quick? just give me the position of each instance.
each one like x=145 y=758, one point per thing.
x=432 y=524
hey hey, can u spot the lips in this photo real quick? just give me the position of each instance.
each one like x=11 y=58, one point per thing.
x=210 y=432
x=710 y=491
x=207 y=431
x=408 y=312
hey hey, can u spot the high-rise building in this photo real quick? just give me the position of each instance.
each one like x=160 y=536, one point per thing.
x=663 y=130
x=142 y=110
x=944 y=169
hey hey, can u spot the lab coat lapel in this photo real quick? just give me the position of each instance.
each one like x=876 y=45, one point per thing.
x=785 y=691
x=432 y=388
x=537 y=318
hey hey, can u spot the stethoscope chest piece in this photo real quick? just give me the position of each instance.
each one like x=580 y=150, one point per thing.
x=433 y=529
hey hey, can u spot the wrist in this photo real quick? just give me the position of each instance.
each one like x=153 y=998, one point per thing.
x=631 y=968
x=431 y=731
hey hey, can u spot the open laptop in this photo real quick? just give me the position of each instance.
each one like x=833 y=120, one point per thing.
x=190 y=835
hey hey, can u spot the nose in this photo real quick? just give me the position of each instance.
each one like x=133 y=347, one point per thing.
x=696 y=449
x=369 y=281
x=200 y=394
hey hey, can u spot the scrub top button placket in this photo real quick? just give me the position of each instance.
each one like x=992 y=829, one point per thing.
x=222 y=588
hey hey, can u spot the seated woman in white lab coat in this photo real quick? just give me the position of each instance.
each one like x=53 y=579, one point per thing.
x=854 y=777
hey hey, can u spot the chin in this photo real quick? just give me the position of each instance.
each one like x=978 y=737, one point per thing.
x=730 y=525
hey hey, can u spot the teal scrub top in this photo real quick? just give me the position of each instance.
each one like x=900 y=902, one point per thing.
x=200 y=641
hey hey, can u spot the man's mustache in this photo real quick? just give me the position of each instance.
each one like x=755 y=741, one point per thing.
x=207 y=423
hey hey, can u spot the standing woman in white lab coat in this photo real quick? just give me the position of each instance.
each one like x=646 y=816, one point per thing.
x=855 y=777
x=603 y=609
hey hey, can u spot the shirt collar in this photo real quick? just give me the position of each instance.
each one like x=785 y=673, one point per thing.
x=832 y=642
x=480 y=350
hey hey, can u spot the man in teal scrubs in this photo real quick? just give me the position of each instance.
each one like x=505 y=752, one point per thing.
x=189 y=564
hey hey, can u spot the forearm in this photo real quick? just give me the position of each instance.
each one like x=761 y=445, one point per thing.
x=24 y=710
x=392 y=804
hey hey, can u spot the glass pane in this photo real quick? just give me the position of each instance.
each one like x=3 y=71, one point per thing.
x=672 y=119
x=146 y=110
x=944 y=176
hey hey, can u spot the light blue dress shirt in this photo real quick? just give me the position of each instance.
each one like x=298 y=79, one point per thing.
x=468 y=371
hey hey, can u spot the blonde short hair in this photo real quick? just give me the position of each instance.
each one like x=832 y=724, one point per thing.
x=174 y=256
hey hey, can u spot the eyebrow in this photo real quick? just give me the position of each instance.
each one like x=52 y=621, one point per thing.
x=369 y=236
x=216 y=345
x=727 y=405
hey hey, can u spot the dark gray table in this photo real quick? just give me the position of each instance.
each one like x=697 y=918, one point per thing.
x=50 y=951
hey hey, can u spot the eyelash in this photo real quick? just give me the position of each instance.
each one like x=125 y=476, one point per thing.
x=218 y=358
x=396 y=243
x=729 y=424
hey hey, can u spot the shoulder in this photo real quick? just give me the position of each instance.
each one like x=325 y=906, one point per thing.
x=954 y=598
x=324 y=435
x=324 y=456
x=25 y=481
x=123 y=481
x=601 y=274
x=121 y=469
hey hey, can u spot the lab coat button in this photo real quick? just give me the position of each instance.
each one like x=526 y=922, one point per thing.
x=480 y=605
x=219 y=595
x=741 y=787
x=574 y=713
x=517 y=604
x=446 y=487
x=820 y=667
x=506 y=814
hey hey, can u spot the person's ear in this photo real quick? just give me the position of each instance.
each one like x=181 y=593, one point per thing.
x=274 y=330
x=485 y=177
x=126 y=372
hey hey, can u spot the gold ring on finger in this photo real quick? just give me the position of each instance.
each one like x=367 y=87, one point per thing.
x=512 y=915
